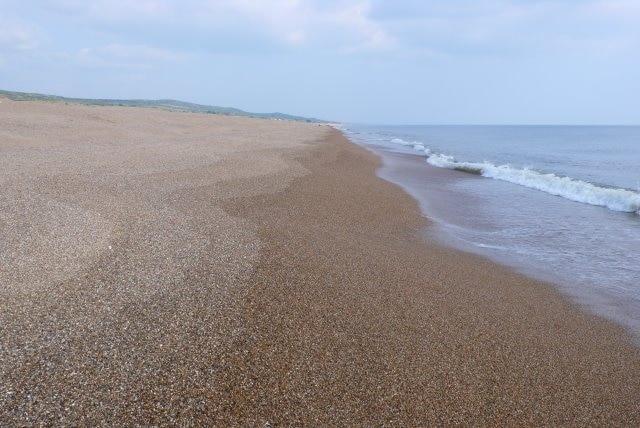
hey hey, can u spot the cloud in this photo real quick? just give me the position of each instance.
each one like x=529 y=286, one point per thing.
x=156 y=30
x=621 y=9
x=464 y=26
x=297 y=22
x=373 y=35
x=142 y=52
x=511 y=28
x=122 y=56
x=331 y=24
x=18 y=36
x=112 y=10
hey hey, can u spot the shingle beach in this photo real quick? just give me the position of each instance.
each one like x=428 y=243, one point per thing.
x=174 y=269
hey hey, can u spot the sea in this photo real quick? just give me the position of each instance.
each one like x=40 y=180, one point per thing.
x=557 y=203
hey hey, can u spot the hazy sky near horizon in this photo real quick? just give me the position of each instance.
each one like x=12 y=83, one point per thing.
x=371 y=61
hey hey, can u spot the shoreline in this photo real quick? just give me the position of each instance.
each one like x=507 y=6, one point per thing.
x=237 y=272
x=433 y=187
x=466 y=341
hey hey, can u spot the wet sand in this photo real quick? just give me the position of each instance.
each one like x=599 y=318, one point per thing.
x=164 y=268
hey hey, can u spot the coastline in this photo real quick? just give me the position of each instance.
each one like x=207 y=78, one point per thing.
x=399 y=330
x=306 y=296
x=434 y=188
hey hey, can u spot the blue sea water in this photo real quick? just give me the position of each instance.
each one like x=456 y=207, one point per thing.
x=560 y=203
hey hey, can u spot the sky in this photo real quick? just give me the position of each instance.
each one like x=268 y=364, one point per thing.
x=364 y=61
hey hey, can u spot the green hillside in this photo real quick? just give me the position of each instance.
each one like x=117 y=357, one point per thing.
x=172 y=105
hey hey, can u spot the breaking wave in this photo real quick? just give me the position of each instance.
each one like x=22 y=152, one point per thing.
x=414 y=144
x=615 y=199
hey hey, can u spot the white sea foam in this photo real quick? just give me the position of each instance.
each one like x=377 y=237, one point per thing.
x=615 y=199
x=416 y=145
x=589 y=252
x=576 y=190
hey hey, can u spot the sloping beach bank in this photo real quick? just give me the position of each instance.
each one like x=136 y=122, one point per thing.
x=165 y=268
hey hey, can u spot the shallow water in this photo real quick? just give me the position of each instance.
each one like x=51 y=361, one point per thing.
x=591 y=249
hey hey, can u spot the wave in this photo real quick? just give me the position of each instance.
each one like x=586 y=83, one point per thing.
x=615 y=199
x=414 y=144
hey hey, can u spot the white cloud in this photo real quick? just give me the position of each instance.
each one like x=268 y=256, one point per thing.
x=512 y=28
x=337 y=23
x=112 y=10
x=482 y=23
x=141 y=52
x=614 y=25
x=18 y=36
x=373 y=36
x=509 y=27
x=621 y=9
x=330 y=23
x=122 y=56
